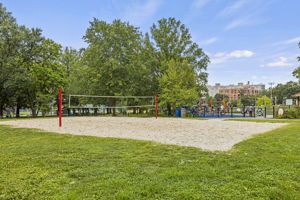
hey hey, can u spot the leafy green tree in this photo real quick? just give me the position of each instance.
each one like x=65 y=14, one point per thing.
x=247 y=100
x=71 y=59
x=178 y=86
x=10 y=40
x=116 y=60
x=45 y=75
x=221 y=97
x=263 y=101
x=296 y=72
x=234 y=103
x=173 y=41
x=285 y=91
x=29 y=53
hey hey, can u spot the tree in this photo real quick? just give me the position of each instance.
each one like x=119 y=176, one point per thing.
x=29 y=53
x=113 y=59
x=178 y=85
x=263 y=101
x=71 y=59
x=10 y=41
x=296 y=72
x=221 y=97
x=45 y=75
x=285 y=91
x=173 y=41
x=247 y=100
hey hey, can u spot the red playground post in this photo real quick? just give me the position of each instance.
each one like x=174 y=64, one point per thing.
x=60 y=106
x=156 y=106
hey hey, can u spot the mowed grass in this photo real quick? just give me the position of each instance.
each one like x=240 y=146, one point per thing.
x=41 y=165
x=267 y=120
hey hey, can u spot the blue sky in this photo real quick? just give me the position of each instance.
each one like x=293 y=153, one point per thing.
x=246 y=40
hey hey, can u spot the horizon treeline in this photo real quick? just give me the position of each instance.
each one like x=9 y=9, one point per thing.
x=119 y=60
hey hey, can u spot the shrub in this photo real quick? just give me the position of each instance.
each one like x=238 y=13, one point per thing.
x=291 y=113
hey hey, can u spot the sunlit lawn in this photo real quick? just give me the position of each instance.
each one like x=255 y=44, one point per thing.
x=41 y=165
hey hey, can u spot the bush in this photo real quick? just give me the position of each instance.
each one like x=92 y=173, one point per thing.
x=291 y=113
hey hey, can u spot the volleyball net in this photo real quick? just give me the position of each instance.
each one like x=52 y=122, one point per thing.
x=142 y=106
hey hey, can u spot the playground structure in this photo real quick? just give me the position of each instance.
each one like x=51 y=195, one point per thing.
x=213 y=109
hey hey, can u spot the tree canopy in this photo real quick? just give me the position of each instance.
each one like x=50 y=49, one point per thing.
x=30 y=71
x=119 y=60
x=296 y=72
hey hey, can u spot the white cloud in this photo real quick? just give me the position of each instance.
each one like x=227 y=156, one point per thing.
x=241 y=53
x=222 y=57
x=281 y=62
x=220 y=54
x=232 y=8
x=218 y=60
x=139 y=12
x=236 y=23
x=245 y=12
x=295 y=40
x=200 y=3
x=209 y=41
x=245 y=21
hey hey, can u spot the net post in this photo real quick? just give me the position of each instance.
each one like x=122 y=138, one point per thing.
x=60 y=107
x=156 y=106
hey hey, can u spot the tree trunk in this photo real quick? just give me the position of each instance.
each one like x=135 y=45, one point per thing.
x=18 y=111
x=33 y=111
x=169 y=109
x=1 y=111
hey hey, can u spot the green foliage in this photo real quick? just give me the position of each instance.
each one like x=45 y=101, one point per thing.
x=234 y=103
x=221 y=97
x=178 y=85
x=173 y=41
x=113 y=59
x=29 y=66
x=40 y=165
x=263 y=101
x=247 y=100
x=71 y=59
x=265 y=120
x=296 y=72
x=285 y=91
x=119 y=60
x=290 y=113
x=10 y=41
x=239 y=103
x=45 y=75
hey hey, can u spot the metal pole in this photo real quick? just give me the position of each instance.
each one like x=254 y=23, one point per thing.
x=271 y=84
x=156 y=106
x=60 y=107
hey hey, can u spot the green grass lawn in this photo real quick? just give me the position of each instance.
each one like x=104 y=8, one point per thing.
x=41 y=165
x=266 y=120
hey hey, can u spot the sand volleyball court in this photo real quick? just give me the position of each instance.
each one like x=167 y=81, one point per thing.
x=212 y=134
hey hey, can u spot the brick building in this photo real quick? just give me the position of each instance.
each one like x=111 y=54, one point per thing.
x=234 y=91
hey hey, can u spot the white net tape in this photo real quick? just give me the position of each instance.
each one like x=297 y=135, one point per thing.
x=110 y=102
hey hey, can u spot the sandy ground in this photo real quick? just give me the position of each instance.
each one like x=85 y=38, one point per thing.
x=212 y=134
